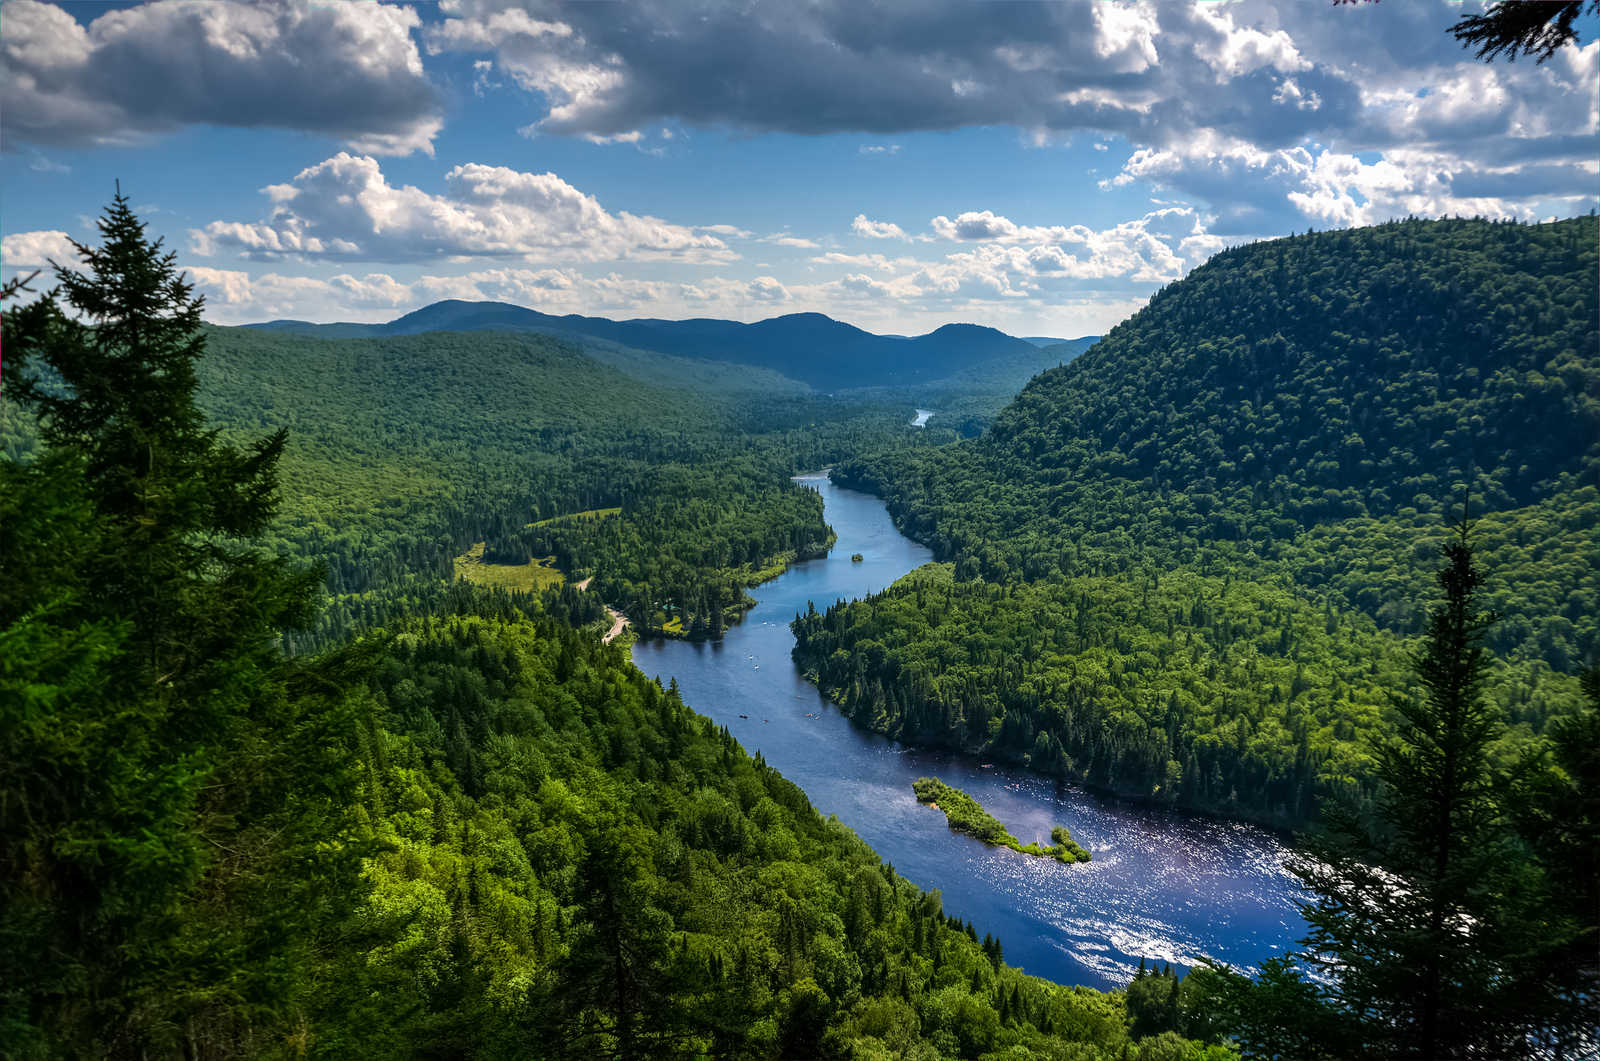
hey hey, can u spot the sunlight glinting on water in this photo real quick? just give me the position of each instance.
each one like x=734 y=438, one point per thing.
x=1163 y=886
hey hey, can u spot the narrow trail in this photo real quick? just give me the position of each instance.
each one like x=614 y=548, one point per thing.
x=618 y=621
x=584 y=584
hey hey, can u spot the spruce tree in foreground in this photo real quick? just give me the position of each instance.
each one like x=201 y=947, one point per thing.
x=175 y=796
x=1433 y=933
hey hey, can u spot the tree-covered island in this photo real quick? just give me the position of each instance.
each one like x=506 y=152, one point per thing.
x=966 y=815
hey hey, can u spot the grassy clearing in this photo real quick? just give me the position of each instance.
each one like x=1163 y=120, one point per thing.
x=588 y=513
x=530 y=577
x=966 y=815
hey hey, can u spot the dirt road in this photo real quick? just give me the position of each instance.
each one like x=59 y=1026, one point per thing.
x=618 y=620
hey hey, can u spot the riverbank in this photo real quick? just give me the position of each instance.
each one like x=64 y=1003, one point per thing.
x=1162 y=885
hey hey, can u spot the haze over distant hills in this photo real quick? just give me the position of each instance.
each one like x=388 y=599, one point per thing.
x=810 y=347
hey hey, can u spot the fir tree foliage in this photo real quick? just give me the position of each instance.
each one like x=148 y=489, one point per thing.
x=1522 y=27
x=176 y=795
x=1434 y=933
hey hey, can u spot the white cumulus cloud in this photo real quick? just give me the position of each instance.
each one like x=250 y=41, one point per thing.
x=862 y=226
x=346 y=208
x=34 y=250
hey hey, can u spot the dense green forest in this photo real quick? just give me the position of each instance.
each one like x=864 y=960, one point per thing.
x=1187 y=564
x=1235 y=698
x=427 y=444
x=479 y=832
x=404 y=452
x=543 y=808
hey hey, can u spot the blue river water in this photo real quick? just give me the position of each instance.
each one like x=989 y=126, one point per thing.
x=1163 y=885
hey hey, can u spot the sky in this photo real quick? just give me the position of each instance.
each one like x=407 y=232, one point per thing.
x=1038 y=167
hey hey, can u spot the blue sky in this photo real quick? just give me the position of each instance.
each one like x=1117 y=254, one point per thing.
x=1040 y=167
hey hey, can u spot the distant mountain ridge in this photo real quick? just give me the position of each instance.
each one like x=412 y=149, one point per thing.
x=811 y=347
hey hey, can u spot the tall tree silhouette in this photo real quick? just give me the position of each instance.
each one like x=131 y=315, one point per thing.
x=174 y=794
x=1433 y=933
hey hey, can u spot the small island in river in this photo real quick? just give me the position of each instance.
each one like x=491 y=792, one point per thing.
x=966 y=815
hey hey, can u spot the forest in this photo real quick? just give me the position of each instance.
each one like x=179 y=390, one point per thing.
x=1188 y=565
x=273 y=784
x=403 y=452
x=474 y=831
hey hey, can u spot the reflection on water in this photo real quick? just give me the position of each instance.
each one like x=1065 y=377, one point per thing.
x=922 y=418
x=1163 y=886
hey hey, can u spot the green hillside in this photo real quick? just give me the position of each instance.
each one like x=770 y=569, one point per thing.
x=404 y=452
x=1289 y=428
x=479 y=832
x=541 y=804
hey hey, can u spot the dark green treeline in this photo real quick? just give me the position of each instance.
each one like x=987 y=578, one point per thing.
x=1186 y=565
x=482 y=833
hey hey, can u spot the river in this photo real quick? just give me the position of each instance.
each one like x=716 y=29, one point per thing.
x=1163 y=885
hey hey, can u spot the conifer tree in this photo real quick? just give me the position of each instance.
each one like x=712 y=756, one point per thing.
x=174 y=794
x=615 y=984
x=1433 y=932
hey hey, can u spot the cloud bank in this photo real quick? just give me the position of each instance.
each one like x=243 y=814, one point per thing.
x=1266 y=110
x=347 y=70
x=35 y=250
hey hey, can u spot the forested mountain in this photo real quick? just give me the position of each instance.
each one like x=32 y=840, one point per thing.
x=403 y=452
x=968 y=401
x=478 y=833
x=827 y=354
x=1293 y=422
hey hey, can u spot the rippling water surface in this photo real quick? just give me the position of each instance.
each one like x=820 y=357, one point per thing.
x=1162 y=885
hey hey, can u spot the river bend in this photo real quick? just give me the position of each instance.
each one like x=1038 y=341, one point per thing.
x=1163 y=885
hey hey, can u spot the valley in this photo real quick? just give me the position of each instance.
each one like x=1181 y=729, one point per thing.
x=842 y=531
x=571 y=673
x=1161 y=884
